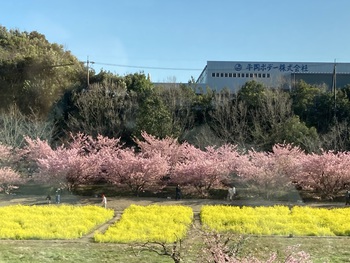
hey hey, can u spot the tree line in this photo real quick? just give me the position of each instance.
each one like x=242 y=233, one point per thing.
x=156 y=164
x=45 y=87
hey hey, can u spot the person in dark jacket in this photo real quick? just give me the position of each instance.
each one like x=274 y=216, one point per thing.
x=177 y=192
x=347 y=197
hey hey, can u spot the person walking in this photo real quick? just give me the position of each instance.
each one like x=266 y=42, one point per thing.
x=177 y=193
x=231 y=193
x=48 y=199
x=58 y=196
x=347 y=197
x=104 y=201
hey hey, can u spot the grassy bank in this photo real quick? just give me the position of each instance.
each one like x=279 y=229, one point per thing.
x=322 y=249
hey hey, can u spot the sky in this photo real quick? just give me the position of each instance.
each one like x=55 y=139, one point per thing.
x=172 y=40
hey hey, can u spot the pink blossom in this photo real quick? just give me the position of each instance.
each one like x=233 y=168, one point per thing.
x=328 y=172
x=204 y=170
x=271 y=171
x=137 y=171
x=9 y=180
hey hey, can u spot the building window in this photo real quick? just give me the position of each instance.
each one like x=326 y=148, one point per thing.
x=251 y=75
x=238 y=75
x=234 y=75
x=264 y=75
x=268 y=75
x=222 y=75
x=230 y=75
x=259 y=75
x=247 y=75
x=217 y=75
x=213 y=74
x=255 y=75
x=226 y=75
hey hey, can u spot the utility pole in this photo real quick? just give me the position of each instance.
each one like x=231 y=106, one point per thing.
x=88 y=69
x=335 y=87
x=335 y=105
x=87 y=66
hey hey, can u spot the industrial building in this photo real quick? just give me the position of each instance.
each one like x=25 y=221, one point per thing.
x=234 y=74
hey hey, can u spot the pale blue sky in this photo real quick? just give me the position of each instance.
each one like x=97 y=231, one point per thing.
x=184 y=34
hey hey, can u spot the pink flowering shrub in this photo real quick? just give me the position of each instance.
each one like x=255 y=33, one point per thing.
x=157 y=162
x=205 y=170
x=271 y=171
x=136 y=171
x=81 y=162
x=327 y=173
x=86 y=160
x=9 y=180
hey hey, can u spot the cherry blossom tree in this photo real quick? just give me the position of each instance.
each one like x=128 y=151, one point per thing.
x=289 y=159
x=52 y=166
x=81 y=162
x=269 y=172
x=86 y=160
x=169 y=148
x=136 y=171
x=151 y=143
x=9 y=178
x=327 y=173
x=204 y=170
x=65 y=168
x=34 y=150
x=88 y=145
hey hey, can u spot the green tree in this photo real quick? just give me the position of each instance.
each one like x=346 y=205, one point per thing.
x=251 y=94
x=105 y=107
x=342 y=106
x=313 y=104
x=295 y=132
x=33 y=72
x=153 y=117
x=139 y=84
x=270 y=119
x=152 y=114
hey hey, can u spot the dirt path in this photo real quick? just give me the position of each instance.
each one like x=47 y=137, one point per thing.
x=120 y=203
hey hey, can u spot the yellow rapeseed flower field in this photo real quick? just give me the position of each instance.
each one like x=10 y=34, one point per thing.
x=50 y=222
x=277 y=220
x=157 y=223
x=154 y=223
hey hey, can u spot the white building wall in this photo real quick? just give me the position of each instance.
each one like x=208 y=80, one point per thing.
x=234 y=74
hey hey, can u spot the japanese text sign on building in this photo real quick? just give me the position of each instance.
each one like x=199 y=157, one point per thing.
x=270 y=66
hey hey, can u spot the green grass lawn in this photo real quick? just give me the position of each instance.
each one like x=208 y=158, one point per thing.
x=322 y=249
x=41 y=251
